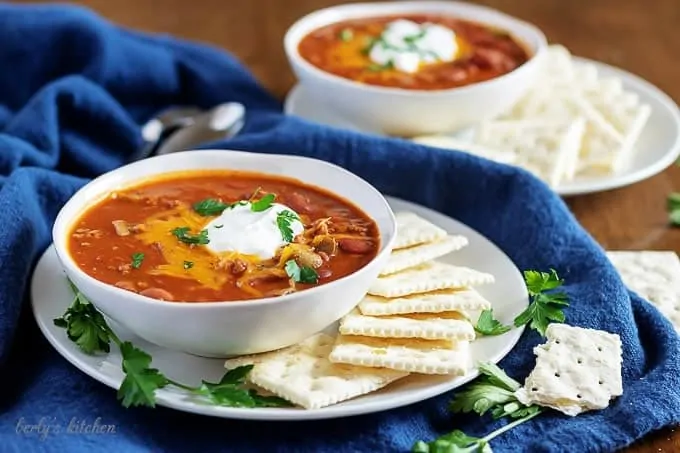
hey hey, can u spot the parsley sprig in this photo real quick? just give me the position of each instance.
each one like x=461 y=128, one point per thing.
x=673 y=208
x=301 y=274
x=182 y=233
x=86 y=327
x=493 y=392
x=284 y=221
x=547 y=305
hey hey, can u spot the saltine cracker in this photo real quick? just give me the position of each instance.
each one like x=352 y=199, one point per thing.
x=576 y=370
x=404 y=354
x=460 y=300
x=413 y=229
x=428 y=326
x=405 y=258
x=655 y=276
x=428 y=277
x=303 y=375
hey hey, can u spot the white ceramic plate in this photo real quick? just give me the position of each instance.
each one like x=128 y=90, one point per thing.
x=657 y=148
x=51 y=296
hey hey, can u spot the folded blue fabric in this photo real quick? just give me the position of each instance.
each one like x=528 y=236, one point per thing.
x=73 y=92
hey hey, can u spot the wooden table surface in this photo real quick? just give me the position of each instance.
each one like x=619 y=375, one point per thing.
x=639 y=36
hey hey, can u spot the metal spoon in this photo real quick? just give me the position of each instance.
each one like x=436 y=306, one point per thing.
x=221 y=122
x=160 y=127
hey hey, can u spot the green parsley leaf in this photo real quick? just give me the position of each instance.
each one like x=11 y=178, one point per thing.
x=370 y=42
x=84 y=325
x=487 y=325
x=188 y=264
x=137 y=259
x=380 y=67
x=228 y=392
x=263 y=203
x=301 y=274
x=141 y=382
x=547 y=305
x=493 y=390
x=283 y=221
x=453 y=442
x=182 y=233
x=209 y=207
x=346 y=34
x=495 y=376
x=413 y=38
x=673 y=208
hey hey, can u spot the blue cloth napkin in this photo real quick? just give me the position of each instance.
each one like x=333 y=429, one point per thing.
x=74 y=90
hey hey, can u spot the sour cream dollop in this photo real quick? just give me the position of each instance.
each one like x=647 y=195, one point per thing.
x=242 y=230
x=406 y=45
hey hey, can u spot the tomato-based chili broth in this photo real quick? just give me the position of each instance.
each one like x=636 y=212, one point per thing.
x=346 y=49
x=173 y=237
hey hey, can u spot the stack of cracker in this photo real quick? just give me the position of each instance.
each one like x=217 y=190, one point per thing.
x=413 y=318
x=572 y=123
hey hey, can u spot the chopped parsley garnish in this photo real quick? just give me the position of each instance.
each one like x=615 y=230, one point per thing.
x=137 y=259
x=210 y=207
x=88 y=329
x=188 y=264
x=346 y=34
x=673 y=208
x=284 y=219
x=263 y=203
x=370 y=42
x=182 y=233
x=380 y=67
x=413 y=38
x=301 y=274
x=218 y=226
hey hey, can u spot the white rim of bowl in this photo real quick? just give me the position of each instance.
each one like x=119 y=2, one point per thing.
x=382 y=9
x=66 y=260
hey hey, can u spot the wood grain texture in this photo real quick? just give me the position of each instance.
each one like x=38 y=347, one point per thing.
x=639 y=36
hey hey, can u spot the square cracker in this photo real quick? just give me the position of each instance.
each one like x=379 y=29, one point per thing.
x=428 y=277
x=576 y=370
x=404 y=354
x=413 y=229
x=405 y=258
x=655 y=276
x=460 y=300
x=429 y=326
x=547 y=148
x=303 y=375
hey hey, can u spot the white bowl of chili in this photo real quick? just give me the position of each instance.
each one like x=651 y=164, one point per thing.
x=219 y=253
x=392 y=66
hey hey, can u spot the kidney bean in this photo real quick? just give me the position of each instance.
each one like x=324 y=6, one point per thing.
x=126 y=285
x=299 y=203
x=324 y=273
x=358 y=246
x=157 y=293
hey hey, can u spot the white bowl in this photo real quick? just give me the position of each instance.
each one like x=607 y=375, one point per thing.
x=405 y=112
x=222 y=329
